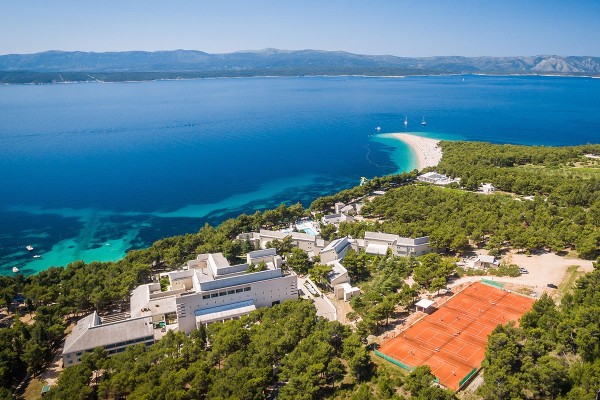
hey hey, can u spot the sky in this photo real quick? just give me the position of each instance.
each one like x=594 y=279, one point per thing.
x=417 y=28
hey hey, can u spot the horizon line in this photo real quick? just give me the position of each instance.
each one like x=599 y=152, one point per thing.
x=273 y=49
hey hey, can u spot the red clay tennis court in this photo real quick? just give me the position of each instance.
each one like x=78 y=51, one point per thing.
x=452 y=339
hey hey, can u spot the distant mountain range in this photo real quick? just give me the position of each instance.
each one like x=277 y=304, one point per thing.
x=59 y=66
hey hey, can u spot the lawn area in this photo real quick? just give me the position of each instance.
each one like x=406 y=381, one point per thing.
x=34 y=390
x=571 y=276
x=381 y=363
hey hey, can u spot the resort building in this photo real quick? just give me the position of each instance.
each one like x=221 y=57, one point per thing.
x=437 y=179
x=304 y=241
x=216 y=291
x=342 y=213
x=348 y=209
x=337 y=207
x=335 y=250
x=207 y=290
x=487 y=188
x=379 y=243
x=483 y=261
x=339 y=281
x=114 y=335
x=335 y=219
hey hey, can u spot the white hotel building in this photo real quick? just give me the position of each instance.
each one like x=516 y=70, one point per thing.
x=207 y=290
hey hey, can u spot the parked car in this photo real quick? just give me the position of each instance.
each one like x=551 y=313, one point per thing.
x=523 y=271
x=552 y=285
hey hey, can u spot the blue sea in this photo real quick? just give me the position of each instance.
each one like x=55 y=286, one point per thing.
x=90 y=171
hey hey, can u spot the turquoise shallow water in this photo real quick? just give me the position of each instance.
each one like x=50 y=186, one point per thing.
x=88 y=171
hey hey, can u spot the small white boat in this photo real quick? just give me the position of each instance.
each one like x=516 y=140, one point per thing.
x=423 y=122
x=15 y=270
x=37 y=256
x=405 y=120
x=378 y=129
x=29 y=247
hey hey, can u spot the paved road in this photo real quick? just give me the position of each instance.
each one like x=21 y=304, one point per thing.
x=324 y=308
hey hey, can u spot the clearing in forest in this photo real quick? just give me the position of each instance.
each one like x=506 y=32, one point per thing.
x=452 y=340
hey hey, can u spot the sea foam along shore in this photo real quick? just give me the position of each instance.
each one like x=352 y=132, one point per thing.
x=426 y=150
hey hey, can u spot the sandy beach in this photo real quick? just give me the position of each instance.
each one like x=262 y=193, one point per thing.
x=426 y=150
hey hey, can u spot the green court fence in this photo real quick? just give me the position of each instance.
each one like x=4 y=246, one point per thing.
x=466 y=378
x=393 y=361
x=492 y=283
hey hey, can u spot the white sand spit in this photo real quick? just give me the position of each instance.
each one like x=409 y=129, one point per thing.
x=426 y=150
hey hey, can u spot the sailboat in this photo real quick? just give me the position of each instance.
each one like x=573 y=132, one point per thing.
x=423 y=122
x=405 y=121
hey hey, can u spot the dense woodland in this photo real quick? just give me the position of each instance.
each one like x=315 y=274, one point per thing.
x=312 y=358
x=558 y=207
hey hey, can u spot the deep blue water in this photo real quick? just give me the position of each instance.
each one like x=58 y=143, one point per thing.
x=88 y=171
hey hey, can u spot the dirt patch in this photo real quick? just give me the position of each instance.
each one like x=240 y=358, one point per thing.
x=543 y=269
x=28 y=319
x=342 y=308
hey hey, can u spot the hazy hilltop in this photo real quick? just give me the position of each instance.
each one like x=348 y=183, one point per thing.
x=141 y=65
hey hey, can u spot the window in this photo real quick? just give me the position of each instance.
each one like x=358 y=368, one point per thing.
x=222 y=293
x=214 y=295
x=78 y=354
x=70 y=362
x=239 y=290
x=247 y=289
x=206 y=296
x=230 y=291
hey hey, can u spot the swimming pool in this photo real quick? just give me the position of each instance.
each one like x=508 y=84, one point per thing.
x=307 y=227
x=310 y=231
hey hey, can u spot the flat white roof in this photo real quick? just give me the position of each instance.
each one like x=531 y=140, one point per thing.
x=225 y=312
x=282 y=235
x=433 y=175
x=348 y=288
x=425 y=303
x=262 y=253
x=380 y=236
x=486 y=259
x=373 y=248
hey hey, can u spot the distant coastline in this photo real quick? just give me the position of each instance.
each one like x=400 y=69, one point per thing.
x=61 y=66
x=8 y=78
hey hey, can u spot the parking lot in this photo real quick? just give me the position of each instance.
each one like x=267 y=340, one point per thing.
x=310 y=291
x=542 y=270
